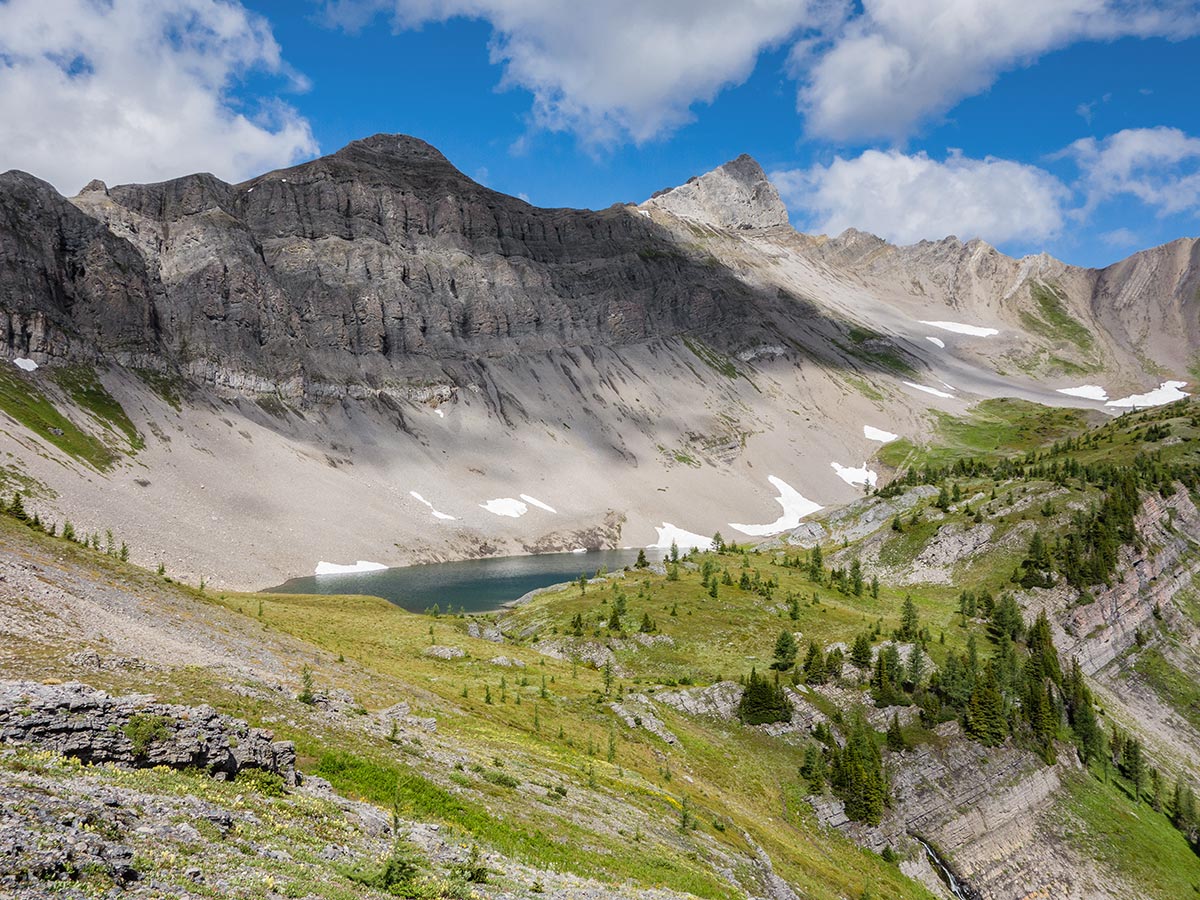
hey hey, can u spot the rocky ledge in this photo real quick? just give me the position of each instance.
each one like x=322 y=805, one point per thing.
x=80 y=722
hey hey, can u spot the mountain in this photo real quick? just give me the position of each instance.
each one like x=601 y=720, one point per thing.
x=209 y=388
x=374 y=323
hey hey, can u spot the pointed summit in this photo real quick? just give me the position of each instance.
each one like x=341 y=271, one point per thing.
x=735 y=195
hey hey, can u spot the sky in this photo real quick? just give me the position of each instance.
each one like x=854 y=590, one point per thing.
x=1065 y=126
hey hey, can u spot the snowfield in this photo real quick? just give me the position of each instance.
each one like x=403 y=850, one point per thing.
x=27 y=365
x=855 y=476
x=937 y=342
x=795 y=507
x=871 y=433
x=506 y=506
x=960 y=328
x=1167 y=392
x=363 y=565
x=929 y=390
x=1086 y=391
x=436 y=514
x=534 y=501
x=685 y=540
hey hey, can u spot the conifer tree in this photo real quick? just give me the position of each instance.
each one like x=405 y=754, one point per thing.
x=910 y=623
x=985 y=711
x=816 y=566
x=857 y=774
x=860 y=652
x=763 y=701
x=814 y=665
x=895 y=737
x=785 y=651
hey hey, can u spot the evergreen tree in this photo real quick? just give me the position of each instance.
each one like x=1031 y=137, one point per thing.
x=1006 y=619
x=860 y=652
x=785 y=651
x=856 y=577
x=895 y=737
x=1133 y=765
x=885 y=681
x=910 y=624
x=763 y=702
x=813 y=768
x=642 y=562
x=814 y=665
x=857 y=774
x=816 y=565
x=915 y=670
x=1043 y=658
x=985 y=711
x=943 y=499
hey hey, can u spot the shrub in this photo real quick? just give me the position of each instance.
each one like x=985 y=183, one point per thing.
x=144 y=730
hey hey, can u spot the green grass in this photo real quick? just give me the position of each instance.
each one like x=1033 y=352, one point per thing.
x=1052 y=320
x=24 y=402
x=169 y=387
x=1179 y=691
x=85 y=390
x=1132 y=839
x=876 y=350
x=718 y=362
x=413 y=796
x=991 y=430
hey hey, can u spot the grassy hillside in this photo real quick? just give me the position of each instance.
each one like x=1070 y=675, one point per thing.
x=536 y=754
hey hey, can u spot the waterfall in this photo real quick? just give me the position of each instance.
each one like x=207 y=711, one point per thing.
x=959 y=889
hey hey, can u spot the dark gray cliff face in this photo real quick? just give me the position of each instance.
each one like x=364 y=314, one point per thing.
x=66 y=281
x=382 y=259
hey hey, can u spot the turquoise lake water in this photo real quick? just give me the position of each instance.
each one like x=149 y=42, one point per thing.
x=477 y=585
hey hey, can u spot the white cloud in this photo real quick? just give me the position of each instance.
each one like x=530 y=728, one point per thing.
x=907 y=198
x=1120 y=237
x=1159 y=166
x=622 y=69
x=138 y=90
x=901 y=61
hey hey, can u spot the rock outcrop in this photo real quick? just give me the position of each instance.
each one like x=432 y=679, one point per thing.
x=86 y=724
x=735 y=195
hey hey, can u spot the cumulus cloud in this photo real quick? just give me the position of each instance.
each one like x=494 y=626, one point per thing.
x=1158 y=166
x=139 y=90
x=906 y=198
x=618 y=70
x=902 y=61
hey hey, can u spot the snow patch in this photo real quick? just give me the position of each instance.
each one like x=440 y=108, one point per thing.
x=27 y=365
x=580 y=550
x=363 y=565
x=795 y=507
x=1086 y=391
x=506 y=506
x=684 y=540
x=871 y=433
x=436 y=514
x=534 y=501
x=1167 y=392
x=929 y=390
x=440 y=414
x=937 y=342
x=855 y=476
x=960 y=328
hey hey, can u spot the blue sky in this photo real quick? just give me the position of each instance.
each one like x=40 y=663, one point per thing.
x=1069 y=126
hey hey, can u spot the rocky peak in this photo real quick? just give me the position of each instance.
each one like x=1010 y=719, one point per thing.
x=402 y=146
x=735 y=195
